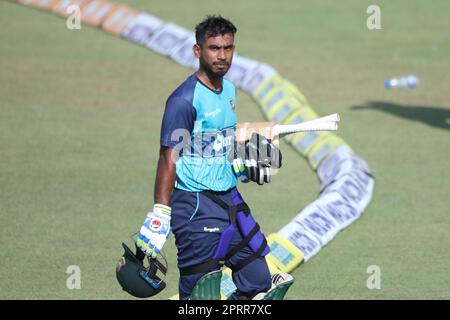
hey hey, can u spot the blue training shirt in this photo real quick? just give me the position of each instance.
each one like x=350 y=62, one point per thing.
x=201 y=123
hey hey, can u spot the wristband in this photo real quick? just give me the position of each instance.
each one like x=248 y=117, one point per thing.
x=163 y=209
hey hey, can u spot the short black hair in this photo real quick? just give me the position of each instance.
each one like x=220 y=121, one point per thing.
x=213 y=26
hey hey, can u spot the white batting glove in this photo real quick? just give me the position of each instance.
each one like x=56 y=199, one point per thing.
x=155 y=230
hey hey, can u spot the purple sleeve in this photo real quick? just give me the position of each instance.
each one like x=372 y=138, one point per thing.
x=178 y=122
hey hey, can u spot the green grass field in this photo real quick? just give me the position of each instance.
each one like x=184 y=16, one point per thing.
x=79 y=128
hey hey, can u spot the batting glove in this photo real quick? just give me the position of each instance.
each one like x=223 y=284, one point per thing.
x=155 y=230
x=255 y=159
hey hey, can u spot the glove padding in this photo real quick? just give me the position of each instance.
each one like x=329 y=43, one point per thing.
x=255 y=159
x=155 y=230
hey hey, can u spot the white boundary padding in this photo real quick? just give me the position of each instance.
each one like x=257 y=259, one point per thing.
x=239 y=69
x=349 y=186
x=166 y=38
x=352 y=167
x=142 y=29
x=338 y=208
x=318 y=223
x=327 y=168
x=183 y=53
x=306 y=242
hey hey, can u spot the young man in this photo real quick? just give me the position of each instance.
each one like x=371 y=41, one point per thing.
x=195 y=188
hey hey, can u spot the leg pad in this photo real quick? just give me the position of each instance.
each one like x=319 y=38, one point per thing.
x=208 y=287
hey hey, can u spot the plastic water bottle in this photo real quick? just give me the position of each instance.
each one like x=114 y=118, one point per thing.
x=408 y=81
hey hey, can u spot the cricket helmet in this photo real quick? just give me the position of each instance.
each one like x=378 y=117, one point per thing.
x=137 y=279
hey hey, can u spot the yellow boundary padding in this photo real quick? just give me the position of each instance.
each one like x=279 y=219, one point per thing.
x=323 y=148
x=282 y=102
x=283 y=254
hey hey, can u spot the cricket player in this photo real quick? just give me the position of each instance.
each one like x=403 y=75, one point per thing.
x=195 y=193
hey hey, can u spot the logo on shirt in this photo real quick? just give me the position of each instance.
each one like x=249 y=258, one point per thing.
x=213 y=114
x=155 y=224
x=215 y=229
x=233 y=107
x=222 y=142
x=208 y=144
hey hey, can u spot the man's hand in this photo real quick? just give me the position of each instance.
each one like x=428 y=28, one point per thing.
x=255 y=159
x=155 y=230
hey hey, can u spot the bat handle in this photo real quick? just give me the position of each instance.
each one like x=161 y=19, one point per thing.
x=281 y=130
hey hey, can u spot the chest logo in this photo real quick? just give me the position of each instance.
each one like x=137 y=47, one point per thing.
x=233 y=107
x=213 y=114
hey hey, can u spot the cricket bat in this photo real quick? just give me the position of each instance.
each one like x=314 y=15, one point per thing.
x=274 y=131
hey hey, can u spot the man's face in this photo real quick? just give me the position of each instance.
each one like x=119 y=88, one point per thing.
x=216 y=54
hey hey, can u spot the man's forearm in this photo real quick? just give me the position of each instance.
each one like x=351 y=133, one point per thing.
x=165 y=177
